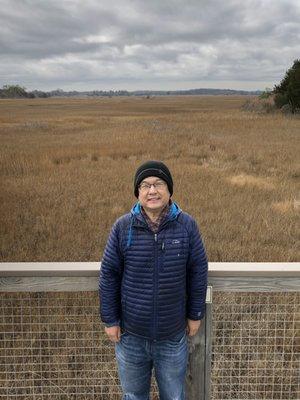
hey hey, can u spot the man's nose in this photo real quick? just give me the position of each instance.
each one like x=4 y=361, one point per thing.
x=152 y=188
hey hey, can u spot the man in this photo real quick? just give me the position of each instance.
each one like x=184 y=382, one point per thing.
x=152 y=287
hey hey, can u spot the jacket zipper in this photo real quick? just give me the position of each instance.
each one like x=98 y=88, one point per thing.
x=155 y=286
x=155 y=297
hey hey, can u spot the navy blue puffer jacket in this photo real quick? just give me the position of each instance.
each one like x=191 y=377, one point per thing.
x=150 y=283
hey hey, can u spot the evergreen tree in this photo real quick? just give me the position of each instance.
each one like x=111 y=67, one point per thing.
x=288 y=91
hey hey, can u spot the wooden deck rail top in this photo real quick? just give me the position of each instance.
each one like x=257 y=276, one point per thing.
x=215 y=269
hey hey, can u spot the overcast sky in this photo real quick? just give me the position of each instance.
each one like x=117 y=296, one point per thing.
x=163 y=44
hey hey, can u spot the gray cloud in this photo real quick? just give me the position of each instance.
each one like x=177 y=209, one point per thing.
x=138 y=44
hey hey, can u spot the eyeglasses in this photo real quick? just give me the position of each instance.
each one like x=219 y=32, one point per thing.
x=145 y=187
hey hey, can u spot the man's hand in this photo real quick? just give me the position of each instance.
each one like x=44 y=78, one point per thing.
x=114 y=333
x=192 y=327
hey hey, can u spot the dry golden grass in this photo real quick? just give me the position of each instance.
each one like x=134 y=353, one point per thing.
x=67 y=169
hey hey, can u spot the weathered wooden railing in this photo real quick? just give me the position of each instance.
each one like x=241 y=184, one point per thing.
x=52 y=343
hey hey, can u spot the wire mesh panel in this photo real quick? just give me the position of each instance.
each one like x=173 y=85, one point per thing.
x=255 y=346
x=53 y=346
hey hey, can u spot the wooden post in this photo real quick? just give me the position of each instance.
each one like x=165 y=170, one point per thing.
x=195 y=377
x=208 y=346
x=198 y=373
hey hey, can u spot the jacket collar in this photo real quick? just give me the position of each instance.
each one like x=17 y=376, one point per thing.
x=138 y=219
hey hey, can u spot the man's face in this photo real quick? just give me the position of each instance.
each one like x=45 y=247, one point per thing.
x=153 y=198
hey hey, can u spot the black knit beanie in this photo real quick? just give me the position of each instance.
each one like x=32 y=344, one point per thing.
x=153 y=168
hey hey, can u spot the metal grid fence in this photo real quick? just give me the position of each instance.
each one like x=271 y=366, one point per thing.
x=255 y=346
x=52 y=345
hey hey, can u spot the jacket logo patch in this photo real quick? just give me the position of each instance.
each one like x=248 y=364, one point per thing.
x=175 y=241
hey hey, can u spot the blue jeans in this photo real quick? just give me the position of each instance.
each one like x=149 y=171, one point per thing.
x=137 y=356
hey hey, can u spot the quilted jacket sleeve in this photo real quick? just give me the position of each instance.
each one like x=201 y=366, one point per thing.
x=196 y=275
x=110 y=279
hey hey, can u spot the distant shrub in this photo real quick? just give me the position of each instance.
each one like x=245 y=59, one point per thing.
x=266 y=94
x=13 y=92
x=260 y=105
x=286 y=109
x=19 y=92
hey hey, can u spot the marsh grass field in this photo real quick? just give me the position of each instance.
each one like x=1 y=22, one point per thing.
x=67 y=168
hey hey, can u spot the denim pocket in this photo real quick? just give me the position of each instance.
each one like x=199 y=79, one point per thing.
x=122 y=337
x=180 y=338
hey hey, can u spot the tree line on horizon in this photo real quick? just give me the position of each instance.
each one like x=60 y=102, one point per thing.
x=17 y=91
x=286 y=94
